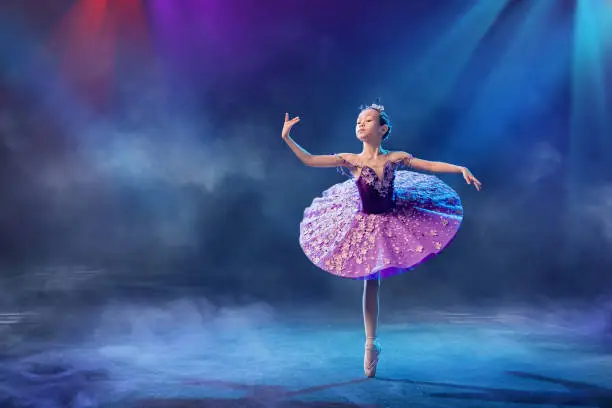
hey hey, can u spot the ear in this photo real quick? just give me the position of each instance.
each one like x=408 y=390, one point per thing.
x=385 y=128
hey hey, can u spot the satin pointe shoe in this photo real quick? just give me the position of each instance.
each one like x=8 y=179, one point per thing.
x=370 y=359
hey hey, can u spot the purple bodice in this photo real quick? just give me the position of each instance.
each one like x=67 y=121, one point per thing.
x=376 y=194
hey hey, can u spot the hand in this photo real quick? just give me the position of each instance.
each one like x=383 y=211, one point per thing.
x=470 y=179
x=288 y=125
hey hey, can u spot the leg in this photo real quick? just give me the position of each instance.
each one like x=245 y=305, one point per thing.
x=370 y=321
x=370 y=308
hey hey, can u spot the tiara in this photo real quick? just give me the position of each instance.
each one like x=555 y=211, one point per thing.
x=377 y=107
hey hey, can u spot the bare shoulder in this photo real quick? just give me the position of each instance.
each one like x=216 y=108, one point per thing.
x=349 y=158
x=399 y=155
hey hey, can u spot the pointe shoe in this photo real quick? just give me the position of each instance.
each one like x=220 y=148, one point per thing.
x=370 y=359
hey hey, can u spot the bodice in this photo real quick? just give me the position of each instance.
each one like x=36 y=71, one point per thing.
x=376 y=193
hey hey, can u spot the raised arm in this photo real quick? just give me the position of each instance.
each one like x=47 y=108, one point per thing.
x=305 y=157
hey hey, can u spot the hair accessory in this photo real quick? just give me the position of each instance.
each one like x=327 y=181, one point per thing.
x=377 y=107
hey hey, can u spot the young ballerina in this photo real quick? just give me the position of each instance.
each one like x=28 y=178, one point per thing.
x=383 y=221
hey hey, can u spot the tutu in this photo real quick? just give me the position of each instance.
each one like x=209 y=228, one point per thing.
x=366 y=228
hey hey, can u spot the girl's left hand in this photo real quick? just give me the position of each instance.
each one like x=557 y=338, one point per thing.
x=470 y=179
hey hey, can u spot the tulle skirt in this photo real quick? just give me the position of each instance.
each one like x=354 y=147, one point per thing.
x=338 y=237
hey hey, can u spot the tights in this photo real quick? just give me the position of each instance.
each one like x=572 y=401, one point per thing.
x=370 y=309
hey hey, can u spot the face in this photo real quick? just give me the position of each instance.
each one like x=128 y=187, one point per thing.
x=368 y=127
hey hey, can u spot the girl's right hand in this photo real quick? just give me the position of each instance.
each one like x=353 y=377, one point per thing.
x=288 y=125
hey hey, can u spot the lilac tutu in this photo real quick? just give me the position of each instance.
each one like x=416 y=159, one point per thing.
x=338 y=236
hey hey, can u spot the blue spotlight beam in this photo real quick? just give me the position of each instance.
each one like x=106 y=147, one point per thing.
x=590 y=139
x=590 y=133
x=528 y=72
x=434 y=76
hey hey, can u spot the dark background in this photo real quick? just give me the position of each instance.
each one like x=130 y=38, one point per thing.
x=141 y=158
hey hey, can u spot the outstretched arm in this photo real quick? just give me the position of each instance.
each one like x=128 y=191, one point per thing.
x=305 y=157
x=434 y=166
x=441 y=167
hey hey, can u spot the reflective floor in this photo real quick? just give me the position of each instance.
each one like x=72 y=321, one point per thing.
x=181 y=354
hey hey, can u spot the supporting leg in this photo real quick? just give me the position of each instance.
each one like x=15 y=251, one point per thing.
x=370 y=321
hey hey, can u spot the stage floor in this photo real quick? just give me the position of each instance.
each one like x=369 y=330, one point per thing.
x=254 y=358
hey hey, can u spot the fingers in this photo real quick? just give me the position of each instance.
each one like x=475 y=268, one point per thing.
x=292 y=121
x=470 y=179
x=473 y=180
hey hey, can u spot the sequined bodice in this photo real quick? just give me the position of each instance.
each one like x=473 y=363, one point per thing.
x=376 y=193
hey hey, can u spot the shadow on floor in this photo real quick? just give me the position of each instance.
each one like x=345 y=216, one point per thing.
x=578 y=394
x=258 y=396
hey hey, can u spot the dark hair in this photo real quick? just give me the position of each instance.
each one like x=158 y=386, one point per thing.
x=382 y=115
